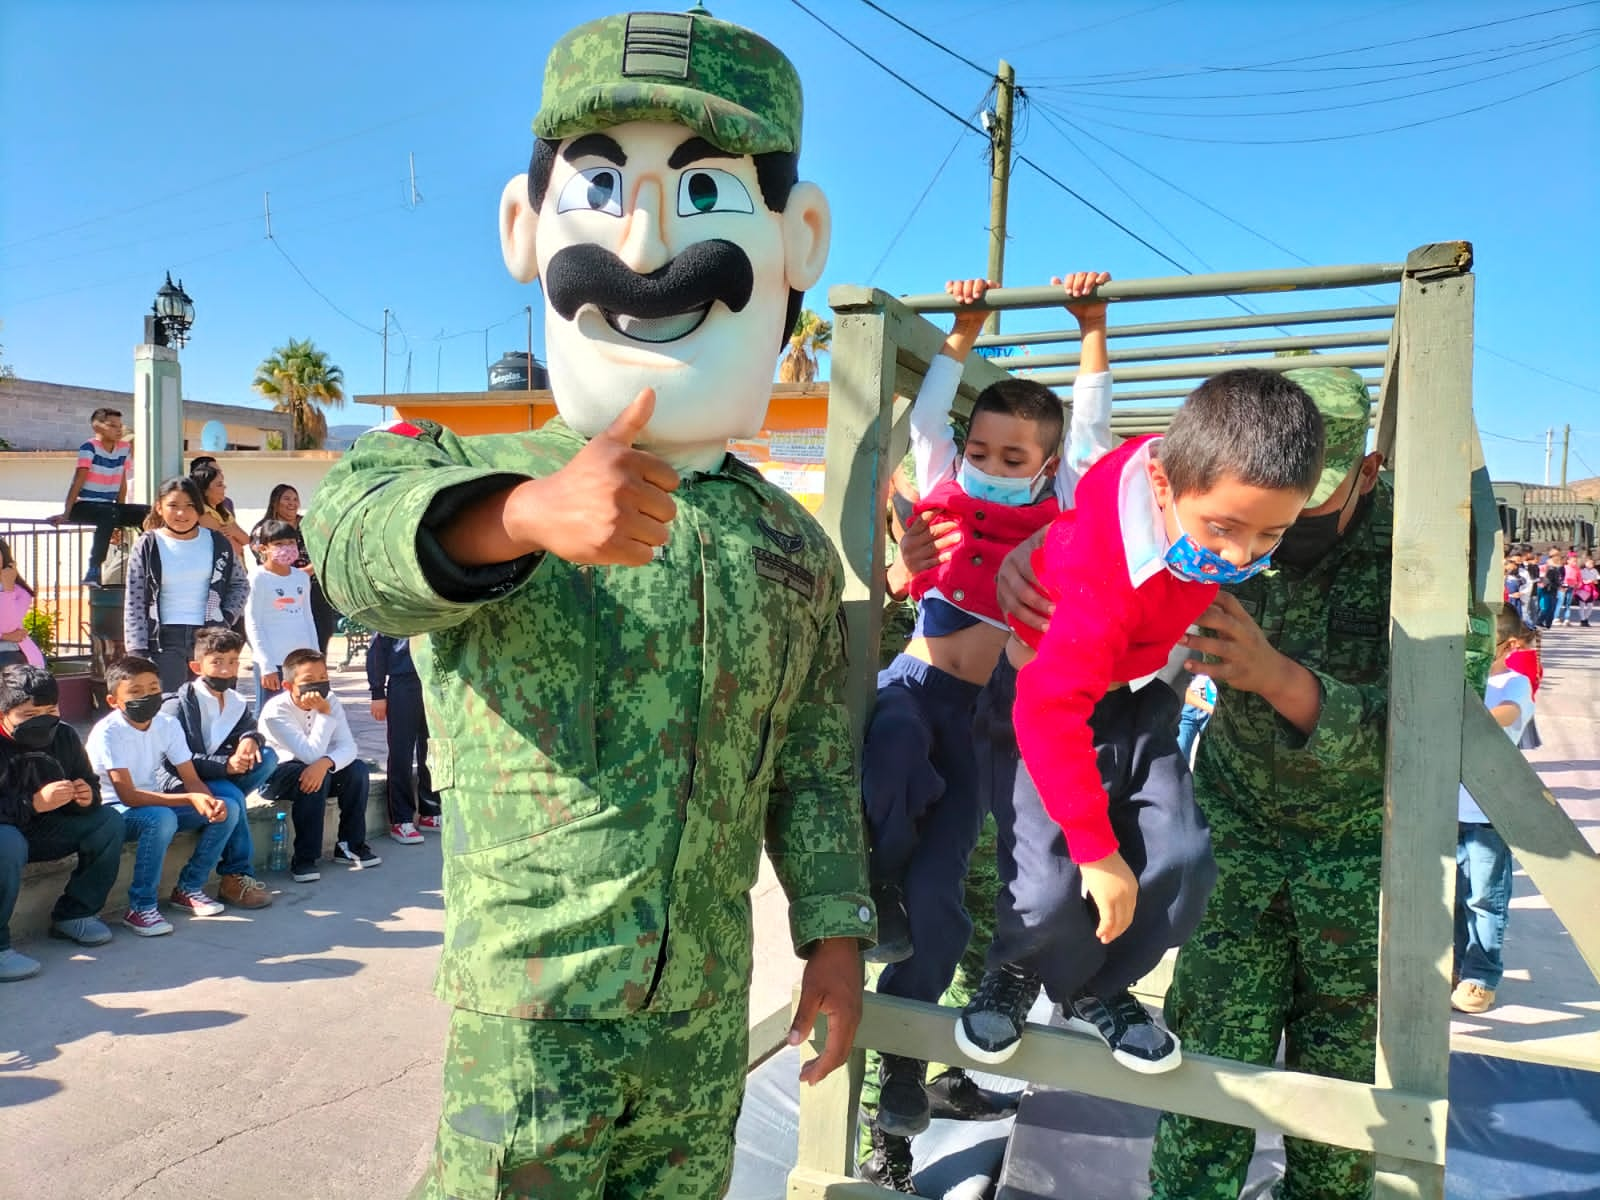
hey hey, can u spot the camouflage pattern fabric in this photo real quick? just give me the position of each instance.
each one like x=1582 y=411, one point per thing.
x=1289 y=942
x=730 y=85
x=1342 y=398
x=613 y=744
x=642 y=1109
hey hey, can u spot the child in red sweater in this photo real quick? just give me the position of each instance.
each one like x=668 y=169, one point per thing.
x=1105 y=860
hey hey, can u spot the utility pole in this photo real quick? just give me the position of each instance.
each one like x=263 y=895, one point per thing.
x=386 y=353
x=1566 y=441
x=1549 y=435
x=529 y=309
x=999 y=127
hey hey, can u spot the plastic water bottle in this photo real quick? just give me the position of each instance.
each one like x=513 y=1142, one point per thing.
x=278 y=857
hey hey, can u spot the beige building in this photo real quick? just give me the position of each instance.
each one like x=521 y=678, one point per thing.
x=35 y=415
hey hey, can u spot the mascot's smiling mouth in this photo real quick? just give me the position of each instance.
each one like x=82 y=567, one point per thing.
x=666 y=305
x=656 y=330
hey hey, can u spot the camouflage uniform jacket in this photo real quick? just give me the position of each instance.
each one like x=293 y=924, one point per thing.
x=1272 y=792
x=611 y=743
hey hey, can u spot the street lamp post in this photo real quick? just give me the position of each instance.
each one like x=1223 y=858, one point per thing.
x=158 y=392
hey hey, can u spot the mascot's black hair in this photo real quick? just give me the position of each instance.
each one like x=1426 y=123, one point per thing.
x=776 y=172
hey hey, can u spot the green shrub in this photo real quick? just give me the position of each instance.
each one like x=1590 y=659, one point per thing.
x=41 y=627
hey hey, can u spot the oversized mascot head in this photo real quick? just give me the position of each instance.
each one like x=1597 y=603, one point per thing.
x=664 y=218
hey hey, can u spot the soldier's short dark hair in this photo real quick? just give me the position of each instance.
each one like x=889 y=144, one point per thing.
x=101 y=414
x=24 y=683
x=270 y=531
x=296 y=659
x=1251 y=425
x=1029 y=401
x=216 y=639
x=126 y=669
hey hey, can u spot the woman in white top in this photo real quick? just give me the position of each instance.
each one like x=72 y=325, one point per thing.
x=180 y=577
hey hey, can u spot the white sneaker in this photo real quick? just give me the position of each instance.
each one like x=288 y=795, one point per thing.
x=406 y=834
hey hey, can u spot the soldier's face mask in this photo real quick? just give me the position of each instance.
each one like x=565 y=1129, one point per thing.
x=663 y=267
x=1310 y=539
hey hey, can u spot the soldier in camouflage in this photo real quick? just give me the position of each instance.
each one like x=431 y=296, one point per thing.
x=1290 y=775
x=635 y=659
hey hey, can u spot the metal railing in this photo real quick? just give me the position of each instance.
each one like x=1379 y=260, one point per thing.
x=52 y=559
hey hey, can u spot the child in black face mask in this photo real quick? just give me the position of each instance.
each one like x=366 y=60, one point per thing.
x=130 y=749
x=230 y=756
x=49 y=809
x=306 y=727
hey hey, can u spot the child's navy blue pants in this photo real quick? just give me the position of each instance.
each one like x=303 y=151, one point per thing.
x=919 y=788
x=1042 y=918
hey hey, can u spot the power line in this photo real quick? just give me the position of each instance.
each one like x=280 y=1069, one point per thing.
x=915 y=208
x=307 y=280
x=1517 y=362
x=1056 y=37
x=1344 y=137
x=937 y=45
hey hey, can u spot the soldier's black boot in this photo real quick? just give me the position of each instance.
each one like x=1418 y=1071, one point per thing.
x=902 y=1096
x=952 y=1096
x=890 y=1164
x=894 y=926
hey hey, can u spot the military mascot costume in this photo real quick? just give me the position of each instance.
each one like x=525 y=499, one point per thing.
x=634 y=660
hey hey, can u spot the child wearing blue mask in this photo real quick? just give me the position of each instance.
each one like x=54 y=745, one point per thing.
x=1105 y=859
x=919 y=774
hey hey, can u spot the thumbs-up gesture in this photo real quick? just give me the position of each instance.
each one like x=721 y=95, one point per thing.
x=609 y=506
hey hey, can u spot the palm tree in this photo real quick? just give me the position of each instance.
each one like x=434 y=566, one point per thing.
x=300 y=381
x=809 y=339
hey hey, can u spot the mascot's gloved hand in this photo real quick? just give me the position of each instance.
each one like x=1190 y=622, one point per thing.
x=609 y=506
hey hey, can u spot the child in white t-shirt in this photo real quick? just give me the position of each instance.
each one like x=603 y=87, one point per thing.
x=1483 y=860
x=127 y=750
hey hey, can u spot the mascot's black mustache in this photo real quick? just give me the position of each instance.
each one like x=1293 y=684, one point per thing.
x=703 y=274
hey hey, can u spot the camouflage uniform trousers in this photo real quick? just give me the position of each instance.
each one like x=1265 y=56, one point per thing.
x=640 y=1108
x=983 y=883
x=1303 y=966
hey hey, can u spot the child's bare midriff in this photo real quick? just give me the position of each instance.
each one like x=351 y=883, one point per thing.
x=969 y=653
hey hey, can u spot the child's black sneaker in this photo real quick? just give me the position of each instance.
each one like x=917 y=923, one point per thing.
x=902 y=1096
x=890 y=1164
x=990 y=1026
x=894 y=926
x=358 y=856
x=305 y=872
x=953 y=1096
x=1121 y=1022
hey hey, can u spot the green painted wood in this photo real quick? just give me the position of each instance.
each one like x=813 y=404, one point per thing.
x=1321 y=316
x=1428 y=601
x=1550 y=848
x=827 y=1124
x=1205 y=368
x=1312 y=341
x=806 y=1184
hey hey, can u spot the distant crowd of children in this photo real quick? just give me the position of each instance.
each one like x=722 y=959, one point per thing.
x=180 y=747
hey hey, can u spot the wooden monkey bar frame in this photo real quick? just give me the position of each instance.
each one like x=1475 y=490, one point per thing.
x=1439 y=731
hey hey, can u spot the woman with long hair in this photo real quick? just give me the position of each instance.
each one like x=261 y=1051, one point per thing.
x=283 y=504
x=180 y=576
x=16 y=598
x=218 y=513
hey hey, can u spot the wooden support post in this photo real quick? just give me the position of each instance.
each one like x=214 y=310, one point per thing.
x=827 y=1125
x=1433 y=434
x=856 y=484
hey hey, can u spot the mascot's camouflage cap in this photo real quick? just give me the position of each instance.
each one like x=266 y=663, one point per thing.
x=1341 y=397
x=731 y=86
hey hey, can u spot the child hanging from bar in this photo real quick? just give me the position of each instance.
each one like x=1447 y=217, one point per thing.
x=919 y=782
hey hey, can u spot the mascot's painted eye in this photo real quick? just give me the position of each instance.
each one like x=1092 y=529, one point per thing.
x=711 y=191
x=595 y=189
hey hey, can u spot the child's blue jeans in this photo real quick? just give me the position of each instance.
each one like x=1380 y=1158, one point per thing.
x=1483 y=900
x=154 y=827
x=239 y=853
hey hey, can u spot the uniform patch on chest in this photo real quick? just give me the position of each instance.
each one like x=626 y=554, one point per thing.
x=787 y=543
x=782 y=570
x=1344 y=617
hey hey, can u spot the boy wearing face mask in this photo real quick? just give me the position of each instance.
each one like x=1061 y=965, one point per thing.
x=919 y=777
x=1106 y=859
x=50 y=808
x=128 y=749
x=278 y=616
x=230 y=756
x=306 y=727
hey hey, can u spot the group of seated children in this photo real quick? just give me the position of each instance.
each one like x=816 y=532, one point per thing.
x=159 y=763
x=1070 y=740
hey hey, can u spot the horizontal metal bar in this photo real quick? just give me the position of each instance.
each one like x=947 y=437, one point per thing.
x=1319 y=316
x=1173 y=287
x=1205 y=368
x=1175 y=393
x=1313 y=341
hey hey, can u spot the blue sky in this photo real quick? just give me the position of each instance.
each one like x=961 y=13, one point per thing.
x=141 y=138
